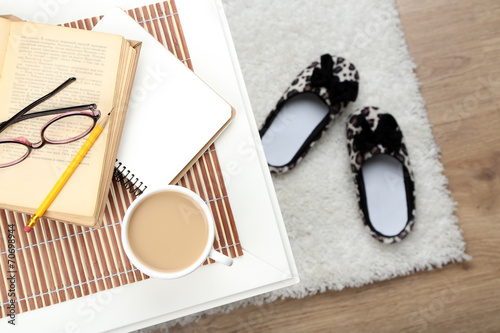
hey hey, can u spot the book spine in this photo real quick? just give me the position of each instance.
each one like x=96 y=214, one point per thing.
x=132 y=183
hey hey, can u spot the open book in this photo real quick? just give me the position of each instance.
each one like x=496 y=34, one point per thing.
x=34 y=60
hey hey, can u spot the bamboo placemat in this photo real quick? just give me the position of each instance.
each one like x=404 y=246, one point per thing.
x=57 y=262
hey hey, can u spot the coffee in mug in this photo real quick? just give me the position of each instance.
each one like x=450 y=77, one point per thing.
x=169 y=232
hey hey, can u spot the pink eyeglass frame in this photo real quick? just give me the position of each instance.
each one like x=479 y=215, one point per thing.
x=89 y=110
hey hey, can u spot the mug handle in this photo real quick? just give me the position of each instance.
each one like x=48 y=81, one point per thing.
x=219 y=257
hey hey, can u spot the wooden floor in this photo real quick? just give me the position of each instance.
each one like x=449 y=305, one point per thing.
x=456 y=45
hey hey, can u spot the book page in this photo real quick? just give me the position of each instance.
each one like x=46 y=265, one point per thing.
x=4 y=38
x=125 y=77
x=39 y=58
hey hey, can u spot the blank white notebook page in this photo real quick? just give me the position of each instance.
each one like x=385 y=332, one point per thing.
x=172 y=114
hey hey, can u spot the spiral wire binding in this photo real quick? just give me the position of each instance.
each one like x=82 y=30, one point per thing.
x=131 y=183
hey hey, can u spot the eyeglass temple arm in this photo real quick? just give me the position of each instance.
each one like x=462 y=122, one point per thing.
x=51 y=112
x=16 y=117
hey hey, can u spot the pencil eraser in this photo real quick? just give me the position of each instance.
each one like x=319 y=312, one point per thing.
x=27 y=228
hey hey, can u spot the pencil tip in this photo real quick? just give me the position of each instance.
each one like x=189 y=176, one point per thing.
x=111 y=110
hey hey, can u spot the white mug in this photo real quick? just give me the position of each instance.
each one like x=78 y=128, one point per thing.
x=208 y=251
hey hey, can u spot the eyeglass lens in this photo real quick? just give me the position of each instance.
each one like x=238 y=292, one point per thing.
x=11 y=152
x=68 y=129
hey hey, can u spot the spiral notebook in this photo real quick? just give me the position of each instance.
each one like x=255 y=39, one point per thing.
x=173 y=116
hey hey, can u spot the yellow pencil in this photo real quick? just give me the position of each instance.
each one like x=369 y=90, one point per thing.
x=67 y=173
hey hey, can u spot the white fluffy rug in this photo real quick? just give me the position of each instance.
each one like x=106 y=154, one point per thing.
x=275 y=40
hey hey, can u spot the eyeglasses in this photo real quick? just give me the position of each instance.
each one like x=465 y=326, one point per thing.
x=70 y=124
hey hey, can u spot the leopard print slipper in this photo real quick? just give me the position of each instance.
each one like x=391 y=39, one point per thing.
x=382 y=174
x=306 y=110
